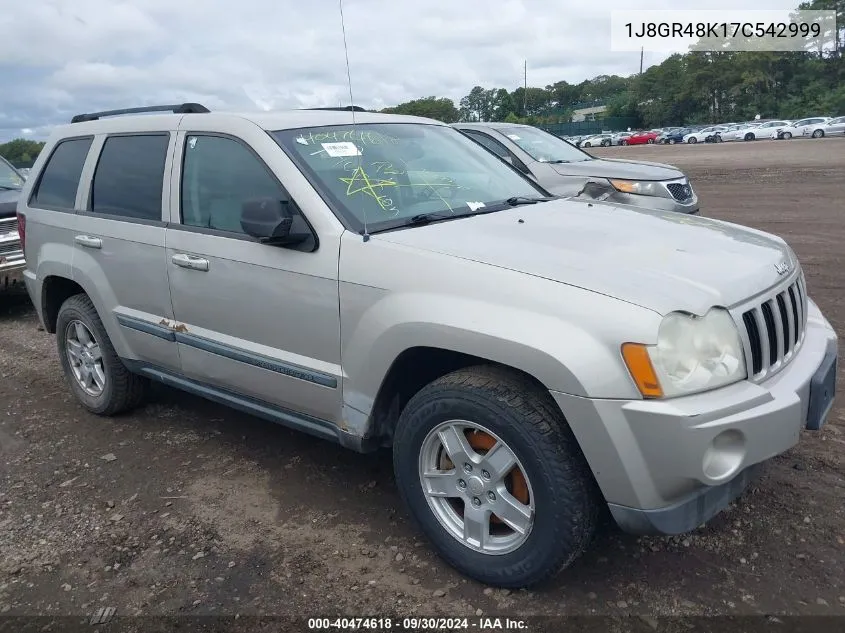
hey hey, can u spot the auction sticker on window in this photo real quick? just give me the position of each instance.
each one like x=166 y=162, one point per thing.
x=340 y=150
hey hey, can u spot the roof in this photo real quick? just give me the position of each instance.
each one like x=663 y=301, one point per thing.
x=279 y=120
x=489 y=124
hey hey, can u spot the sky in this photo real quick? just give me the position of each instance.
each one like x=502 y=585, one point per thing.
x=62 y=57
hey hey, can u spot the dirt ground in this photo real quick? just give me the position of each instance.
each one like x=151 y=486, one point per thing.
x=185 y=507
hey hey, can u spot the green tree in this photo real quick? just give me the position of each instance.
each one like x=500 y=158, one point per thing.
x=440 y=108
x=20 y=151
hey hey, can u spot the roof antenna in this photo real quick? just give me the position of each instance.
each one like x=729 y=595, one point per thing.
x=366 y=233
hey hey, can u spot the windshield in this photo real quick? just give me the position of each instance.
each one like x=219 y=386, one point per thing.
x=9 y=178
x=384 y=174
x=545 y=147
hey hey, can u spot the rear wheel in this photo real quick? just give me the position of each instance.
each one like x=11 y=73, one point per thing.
x=749 y=136
x=671 y=141
x=650 y=141
x=787 y=135
x=605 y=143
x=489 y=469
x=818 y=133
x=624 y=142
x=94 y=371
x=587 y=145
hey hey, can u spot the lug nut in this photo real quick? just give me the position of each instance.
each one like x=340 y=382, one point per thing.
x=462 y=483
x=476 y=501
x=491 y=496
x=485 y=474
x=468 y=467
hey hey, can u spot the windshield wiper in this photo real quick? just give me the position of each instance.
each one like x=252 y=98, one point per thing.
x=7 y=188
x=518 y=200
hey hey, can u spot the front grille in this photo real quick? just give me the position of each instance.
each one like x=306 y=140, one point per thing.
x=680 y=191
x=8 y=225
x=774 y=329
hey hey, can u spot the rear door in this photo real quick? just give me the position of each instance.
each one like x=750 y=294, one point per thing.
x=118 y=242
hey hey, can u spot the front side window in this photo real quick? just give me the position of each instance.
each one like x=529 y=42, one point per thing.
x=129 y=177
x=385 y=174
x=60 y=178
x=219 y=174
x=545 y=147
x=9 y=177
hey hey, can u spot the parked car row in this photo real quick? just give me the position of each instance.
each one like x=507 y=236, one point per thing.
x=812 y=127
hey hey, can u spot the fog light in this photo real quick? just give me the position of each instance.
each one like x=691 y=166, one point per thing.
x=724 y=456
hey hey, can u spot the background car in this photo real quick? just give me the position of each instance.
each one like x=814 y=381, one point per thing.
x=616 y=139
x=566 y=171
x=641 y=138
x=812 y=127
x=732 y=132
x=701 y=135
x=761 y=130
x=835 y=126
x=673 y=136
x=599 y=140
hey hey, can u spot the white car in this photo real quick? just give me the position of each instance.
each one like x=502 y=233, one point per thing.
x=762 y=130
x=616 y=139
x=812 y=127
x=701 y=135
x=599 y=140
x=732 y=133
x=835 y=126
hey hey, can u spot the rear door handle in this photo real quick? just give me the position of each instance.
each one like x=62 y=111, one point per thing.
x=190 y=261
x=88 y=242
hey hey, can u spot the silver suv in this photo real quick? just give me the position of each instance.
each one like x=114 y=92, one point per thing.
x=383 y=281
x=565 y=170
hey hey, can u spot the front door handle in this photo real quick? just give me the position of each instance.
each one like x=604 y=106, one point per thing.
x=190 y=261
x=88 y=242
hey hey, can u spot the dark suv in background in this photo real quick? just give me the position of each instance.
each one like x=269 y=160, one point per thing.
x=11 y=254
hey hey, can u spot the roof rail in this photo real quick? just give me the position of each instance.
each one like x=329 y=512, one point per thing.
x=181 y=108
x=342 y=108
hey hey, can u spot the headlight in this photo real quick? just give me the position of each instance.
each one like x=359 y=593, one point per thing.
x=692 y=354
x=638 y=187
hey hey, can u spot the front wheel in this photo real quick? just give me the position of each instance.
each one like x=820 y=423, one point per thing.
x=693 y=140
x=624 y=143
x=650 y=141
x=818 y=133
x=749 y=137
x=587 y=145
x=490 y=471
x=671 y=141
x=605 y=143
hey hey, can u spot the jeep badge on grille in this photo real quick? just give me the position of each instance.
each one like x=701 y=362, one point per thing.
x=782 y=268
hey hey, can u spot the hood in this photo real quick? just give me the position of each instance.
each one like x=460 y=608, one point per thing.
x=663 y=261
x=618 y=168
x=8 y=202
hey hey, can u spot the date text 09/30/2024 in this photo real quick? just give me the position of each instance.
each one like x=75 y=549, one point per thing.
x=376 y=624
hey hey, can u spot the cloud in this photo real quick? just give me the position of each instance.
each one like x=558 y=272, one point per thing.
x=59 y=58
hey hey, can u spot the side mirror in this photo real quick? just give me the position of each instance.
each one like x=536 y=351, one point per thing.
x=267 y=219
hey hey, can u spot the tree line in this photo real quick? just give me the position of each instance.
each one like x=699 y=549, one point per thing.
x=695 y=87
x=21 y=152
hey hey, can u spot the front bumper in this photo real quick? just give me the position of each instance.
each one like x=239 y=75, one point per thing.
x=668 y=466
x=658 y=202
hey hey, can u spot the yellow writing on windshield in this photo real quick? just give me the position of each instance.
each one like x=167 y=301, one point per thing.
x=360 y=182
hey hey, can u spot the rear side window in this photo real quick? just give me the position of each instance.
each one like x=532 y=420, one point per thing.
x=60 y=177
x=494 y=146
x=129 y=177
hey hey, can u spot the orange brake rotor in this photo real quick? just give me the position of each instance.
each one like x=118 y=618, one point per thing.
x=482 y=442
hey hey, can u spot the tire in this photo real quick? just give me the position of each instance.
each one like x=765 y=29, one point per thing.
x=650 y=141
x=623 y=142
x=787 y=135
x=558 y=482
x=718 y=139
x=692 y=140
x=587 y=145
x=749 y=137
x=818 y=133
x=121 y=389
x=605 y=143
x=671 y=141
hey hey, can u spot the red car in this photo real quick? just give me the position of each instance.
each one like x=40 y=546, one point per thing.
x=641 y=138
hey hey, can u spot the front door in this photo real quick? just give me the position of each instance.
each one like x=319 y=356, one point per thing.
x=252 y=319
